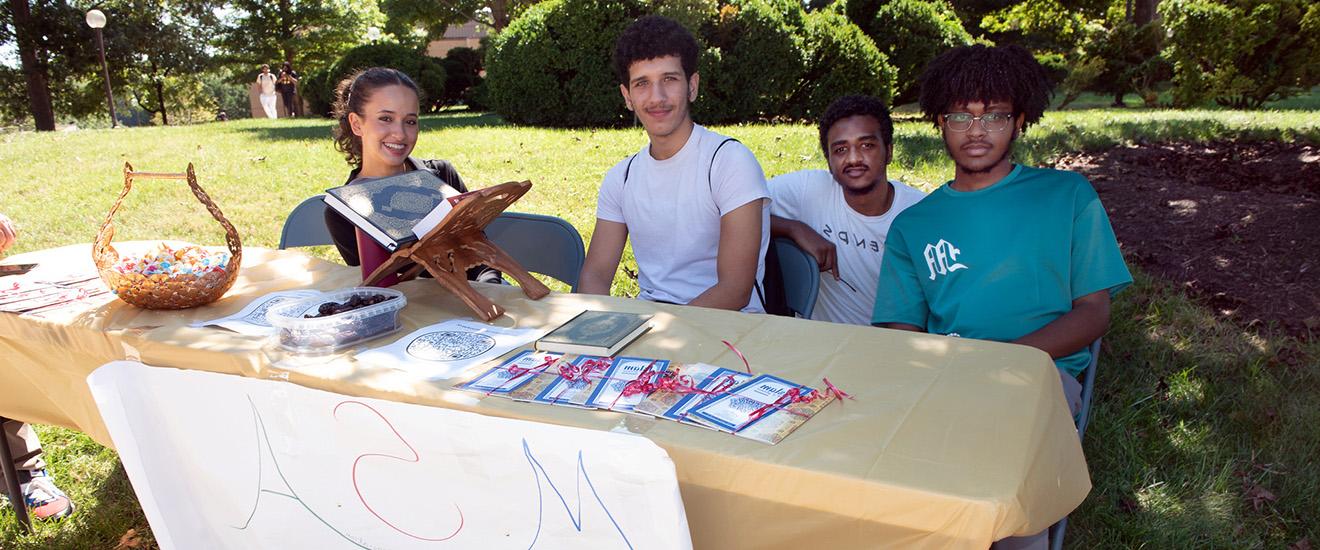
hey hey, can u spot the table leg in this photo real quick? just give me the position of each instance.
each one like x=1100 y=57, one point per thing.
x=12 y=487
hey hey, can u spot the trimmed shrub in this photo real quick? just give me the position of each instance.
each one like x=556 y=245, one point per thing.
x=1055 y=64
x=842 y=61
x=1241 y=53
x=551 y=65
x=693 y=14
x=317 y=92
x=462 y=72
x=911 y=33
x=862 y=12
x=476 y=97
x=319 y=88
x=753 y=62
x=1118 y=58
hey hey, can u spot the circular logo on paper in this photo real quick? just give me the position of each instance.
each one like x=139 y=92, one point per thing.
x=449 y=346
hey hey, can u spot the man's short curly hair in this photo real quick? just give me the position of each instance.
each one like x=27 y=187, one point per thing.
x=650 y=37
x=854 y=105
x=986 y=74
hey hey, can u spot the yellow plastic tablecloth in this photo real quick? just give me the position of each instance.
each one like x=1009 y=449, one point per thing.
x=949 y=443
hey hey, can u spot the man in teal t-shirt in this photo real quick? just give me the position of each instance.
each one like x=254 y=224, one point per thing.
x=1002 y=252
x=1003 y=261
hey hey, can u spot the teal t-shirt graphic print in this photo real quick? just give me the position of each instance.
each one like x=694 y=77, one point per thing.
x=1000 y=262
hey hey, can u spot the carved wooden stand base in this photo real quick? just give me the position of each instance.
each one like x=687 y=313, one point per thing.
x=459 y=243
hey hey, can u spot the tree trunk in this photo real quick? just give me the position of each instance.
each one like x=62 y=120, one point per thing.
x=286 y=31
x=38 y=83
x=1143 y=11
x=160 y=100
x=499 y=11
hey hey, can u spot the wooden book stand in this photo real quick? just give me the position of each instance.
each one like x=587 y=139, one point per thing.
x=459 y=243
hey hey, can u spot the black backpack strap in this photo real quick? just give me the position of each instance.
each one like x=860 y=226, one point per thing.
x=710 y=170
x=710 y=177
x=628 y=168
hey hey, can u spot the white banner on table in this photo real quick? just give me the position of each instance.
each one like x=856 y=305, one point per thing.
x=445 y=350
x=222 y=461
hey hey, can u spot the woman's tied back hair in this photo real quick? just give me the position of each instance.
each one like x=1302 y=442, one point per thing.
x=351 y=95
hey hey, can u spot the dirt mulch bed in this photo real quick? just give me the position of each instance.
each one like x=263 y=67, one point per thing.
x=1237 y=224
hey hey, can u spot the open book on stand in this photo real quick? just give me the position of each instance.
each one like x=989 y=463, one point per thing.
x=395 y=210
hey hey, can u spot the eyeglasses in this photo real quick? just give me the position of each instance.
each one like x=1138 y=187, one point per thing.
x=990 y=122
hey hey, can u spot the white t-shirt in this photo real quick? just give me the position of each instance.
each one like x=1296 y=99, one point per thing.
x=672 y=208
x=267 y=82
x=815 y=199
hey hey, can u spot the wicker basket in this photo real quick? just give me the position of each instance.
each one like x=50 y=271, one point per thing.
x=161 y=291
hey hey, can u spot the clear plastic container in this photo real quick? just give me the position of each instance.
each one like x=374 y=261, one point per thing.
x=321 y=335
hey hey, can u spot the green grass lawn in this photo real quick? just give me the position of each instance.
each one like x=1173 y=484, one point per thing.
x=1193 y=420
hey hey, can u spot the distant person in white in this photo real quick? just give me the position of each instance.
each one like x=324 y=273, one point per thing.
x=841 y=216
x=691 y=200
x=267 y=92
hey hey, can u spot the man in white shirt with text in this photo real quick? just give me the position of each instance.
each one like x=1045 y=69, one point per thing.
x=841 y=216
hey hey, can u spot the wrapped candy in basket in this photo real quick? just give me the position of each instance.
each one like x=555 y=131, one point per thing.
x=168 y=277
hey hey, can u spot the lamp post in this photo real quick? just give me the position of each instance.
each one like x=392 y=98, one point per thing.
x=96 y=20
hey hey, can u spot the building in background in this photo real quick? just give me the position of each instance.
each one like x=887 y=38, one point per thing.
x=467 y=35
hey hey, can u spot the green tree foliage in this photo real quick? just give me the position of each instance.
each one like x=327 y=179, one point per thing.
x=462 y=72
x=311 y=34
x=158 y=54
x=693 y=14
x=1121 y=57
x=57 y=55
x=225 y=95
x=841 y=60
x=911 y=33
x=427 y=19
x=760 y=60
x=1241 y=53
x=154 y=49
x=551 y=66
x=1039 y=25
x=428 y=72
x=752 y=63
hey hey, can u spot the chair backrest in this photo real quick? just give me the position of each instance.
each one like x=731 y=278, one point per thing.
x=1088 y=387
x=801 y=276
x=541 y=244
x=1058 y=530
x=305 y=226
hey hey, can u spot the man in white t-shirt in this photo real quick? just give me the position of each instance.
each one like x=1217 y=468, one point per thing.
x=841 y=216
x=691 y=200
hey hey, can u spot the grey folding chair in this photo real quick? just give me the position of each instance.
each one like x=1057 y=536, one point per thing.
x=541 y=244
x=1088 y=390
x=305 y=226
x=801 y=276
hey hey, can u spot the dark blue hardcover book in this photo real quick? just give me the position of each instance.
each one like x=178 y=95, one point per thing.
x=389 y=208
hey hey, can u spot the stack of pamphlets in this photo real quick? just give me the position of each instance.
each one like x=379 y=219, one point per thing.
x=762 y=408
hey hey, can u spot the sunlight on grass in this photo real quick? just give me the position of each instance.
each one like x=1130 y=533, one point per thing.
x=1189 y=439
x=1185 y=390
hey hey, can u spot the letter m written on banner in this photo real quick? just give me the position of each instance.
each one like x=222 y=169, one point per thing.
x=942 y=258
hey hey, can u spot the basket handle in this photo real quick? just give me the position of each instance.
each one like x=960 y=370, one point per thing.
x=106 y=255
